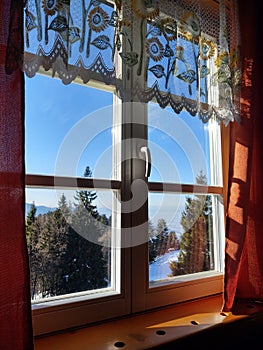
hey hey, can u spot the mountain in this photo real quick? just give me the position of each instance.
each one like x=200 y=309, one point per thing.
x=41 y=209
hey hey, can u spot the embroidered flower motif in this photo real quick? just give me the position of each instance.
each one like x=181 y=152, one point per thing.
x=207 y=49
x=223 y=73
x=154 y=49
x=169 y=28
x=190 y=26
x=222 y=59
x=146 y=8
x=51 y=6
x=98 y=19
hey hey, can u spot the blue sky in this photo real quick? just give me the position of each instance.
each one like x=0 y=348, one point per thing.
x=52 y=109
x=56 y=114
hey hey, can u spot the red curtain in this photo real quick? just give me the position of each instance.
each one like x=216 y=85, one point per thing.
x=244 y=238
x=15 y=307
x=244 y=233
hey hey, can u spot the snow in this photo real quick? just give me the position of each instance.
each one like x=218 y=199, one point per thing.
x=160 y=269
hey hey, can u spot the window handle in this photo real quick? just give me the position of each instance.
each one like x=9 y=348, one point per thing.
x=148 y=161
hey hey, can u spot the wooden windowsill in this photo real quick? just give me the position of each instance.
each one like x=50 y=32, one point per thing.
x=148 y=330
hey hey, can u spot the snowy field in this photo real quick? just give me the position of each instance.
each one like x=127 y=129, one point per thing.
x=159 y=269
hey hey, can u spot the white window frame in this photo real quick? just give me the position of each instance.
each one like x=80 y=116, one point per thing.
x=73 y=310
x=133 y=293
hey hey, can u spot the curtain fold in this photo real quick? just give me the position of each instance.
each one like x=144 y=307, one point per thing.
x=244 y=238
x=15 y=307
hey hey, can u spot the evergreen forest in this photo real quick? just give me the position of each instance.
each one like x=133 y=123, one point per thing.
x=69 y=247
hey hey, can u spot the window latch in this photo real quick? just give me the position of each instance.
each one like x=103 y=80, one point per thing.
x=148 y=162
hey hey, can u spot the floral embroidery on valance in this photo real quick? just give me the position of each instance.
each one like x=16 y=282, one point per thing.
x=184 y=54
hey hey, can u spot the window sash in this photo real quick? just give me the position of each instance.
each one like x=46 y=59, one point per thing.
x=134 y=265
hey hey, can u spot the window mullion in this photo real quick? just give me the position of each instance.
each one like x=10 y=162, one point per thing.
x=139 y=214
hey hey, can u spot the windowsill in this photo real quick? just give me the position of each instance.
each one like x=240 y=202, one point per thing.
x=148 y=330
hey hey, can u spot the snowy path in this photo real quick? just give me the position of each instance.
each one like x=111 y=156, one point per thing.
x=160 y=267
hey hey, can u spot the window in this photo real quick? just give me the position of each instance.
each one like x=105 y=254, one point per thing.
x=72 y=200
x=124 y=205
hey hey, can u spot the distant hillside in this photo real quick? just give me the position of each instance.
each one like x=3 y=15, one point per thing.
x=41 y=209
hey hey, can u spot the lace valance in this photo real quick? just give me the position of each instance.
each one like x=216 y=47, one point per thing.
x=179 y=53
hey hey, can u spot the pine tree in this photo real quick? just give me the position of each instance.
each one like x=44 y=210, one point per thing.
x=162 y=237
x=86 y=267
x=195 y=245
x=32 y=240
x=53 y=230
x=173 y=241
x=31 y=217
x=106 y=242
x=87 y=197
x=64 y=208
x=64 y=247
x=152 y=243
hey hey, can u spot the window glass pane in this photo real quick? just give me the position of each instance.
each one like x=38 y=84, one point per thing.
x=180 y=147
x=183 y=235
x=70 y=237
x=67 y=128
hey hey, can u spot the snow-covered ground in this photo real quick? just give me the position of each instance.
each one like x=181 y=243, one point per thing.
x=159 y=269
